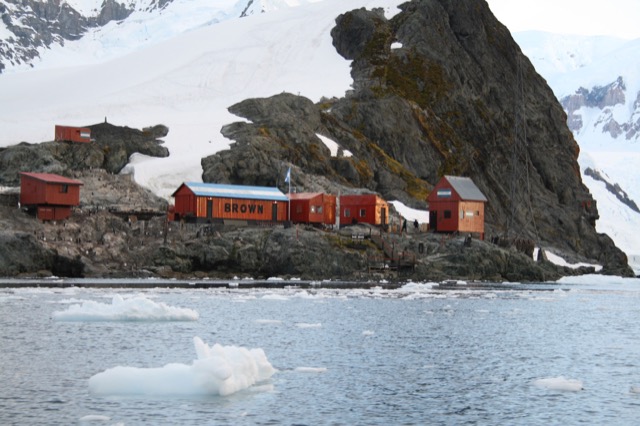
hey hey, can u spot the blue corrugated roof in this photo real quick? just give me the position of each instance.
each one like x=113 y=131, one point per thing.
x=236 y=191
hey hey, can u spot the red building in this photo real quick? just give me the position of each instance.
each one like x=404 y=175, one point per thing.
x=72 y=134
x=456 y=204
x=51 y=196
x=313 y=208
x=210 y=202
x=363 y=208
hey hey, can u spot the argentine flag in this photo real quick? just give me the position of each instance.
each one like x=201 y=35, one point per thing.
x=287 y=178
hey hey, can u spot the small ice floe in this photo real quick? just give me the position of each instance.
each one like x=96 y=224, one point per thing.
x=559 y=384
x=308 y=325
x=635 y=389
x=268 y=321
x=218 y=370
x=368 y=333
x=94 y=418
x=137 y=308
x=273 y=296
x=311 y=369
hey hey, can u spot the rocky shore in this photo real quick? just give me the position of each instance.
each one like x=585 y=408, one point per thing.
x=97 y=243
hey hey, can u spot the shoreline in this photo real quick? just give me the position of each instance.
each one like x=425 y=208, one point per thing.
x=147 y=283
x=248 y=283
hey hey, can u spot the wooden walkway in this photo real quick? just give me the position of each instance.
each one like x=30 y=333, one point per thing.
x=393 y=258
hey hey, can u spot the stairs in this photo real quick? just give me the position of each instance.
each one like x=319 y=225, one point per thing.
x=393 y=258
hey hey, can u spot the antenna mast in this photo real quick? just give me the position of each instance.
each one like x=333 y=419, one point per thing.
x=520 y=191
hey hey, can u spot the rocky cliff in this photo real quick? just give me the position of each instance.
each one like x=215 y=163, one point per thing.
x=109 y=150
x=441 y=88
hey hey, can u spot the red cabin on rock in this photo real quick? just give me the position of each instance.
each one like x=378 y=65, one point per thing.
x=313 y=208
x=210 y=202
x=51 y=196
x=72 y=134
x=456 y=204
x=363 y=208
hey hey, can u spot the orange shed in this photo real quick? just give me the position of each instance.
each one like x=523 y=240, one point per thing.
x=72 y=134
x=52 y=196
x=456 y=204
x=210 y=202
x=363 y=208
x=313 y=208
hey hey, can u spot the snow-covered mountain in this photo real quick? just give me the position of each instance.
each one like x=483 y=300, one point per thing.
x=186 y=82
x=182 y=63
x=29 y=28
x=597 y=80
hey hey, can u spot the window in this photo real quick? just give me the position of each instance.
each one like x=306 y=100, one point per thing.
x=363 y=212
x=443 y=193
x=469 y=214
x=347 y=212
x=461 y=214
x=313 y=209
x=447 y=214
x=319 y=209
x=64 y=188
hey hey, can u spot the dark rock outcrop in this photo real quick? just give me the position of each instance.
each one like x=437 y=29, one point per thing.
x=110 y=150
x=441 y=88
x=97 y=243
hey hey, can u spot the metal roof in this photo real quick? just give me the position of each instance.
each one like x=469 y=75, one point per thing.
x=304 y=195
x=466 y=189
x=235 y=191
x=51 y=178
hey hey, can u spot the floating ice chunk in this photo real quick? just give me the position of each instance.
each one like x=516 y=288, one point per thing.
x=94 y=418
x=368 y=333
x=311 y=369
x=308 y=325
x=137 y=308
x=560 y=384
x=268 y=321
x=272 y=296
x=218 y=370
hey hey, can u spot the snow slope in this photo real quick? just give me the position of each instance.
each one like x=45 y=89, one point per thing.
x=186 y=82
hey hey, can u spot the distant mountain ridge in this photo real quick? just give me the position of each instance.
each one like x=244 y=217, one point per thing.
x=28 y=27
x=597 y=81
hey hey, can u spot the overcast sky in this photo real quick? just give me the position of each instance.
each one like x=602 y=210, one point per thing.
x=620 y=18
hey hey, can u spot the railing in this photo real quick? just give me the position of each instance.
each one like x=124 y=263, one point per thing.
x=393 y=258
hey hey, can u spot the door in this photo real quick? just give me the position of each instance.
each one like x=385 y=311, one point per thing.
x=209 y=209
x=433 y=220
x=274 y=212
x=383 y=216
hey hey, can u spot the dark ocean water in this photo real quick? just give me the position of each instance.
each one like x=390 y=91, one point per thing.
x=344 y=357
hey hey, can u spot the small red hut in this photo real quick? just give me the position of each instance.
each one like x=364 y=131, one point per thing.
x=456 y=204
x=51 y=196
x=210 y=202
x=72 y=134
x=313 y=208
x=363 y=208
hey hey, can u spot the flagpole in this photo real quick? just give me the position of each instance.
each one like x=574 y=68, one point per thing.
x=289 y=205
x=288 y=180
